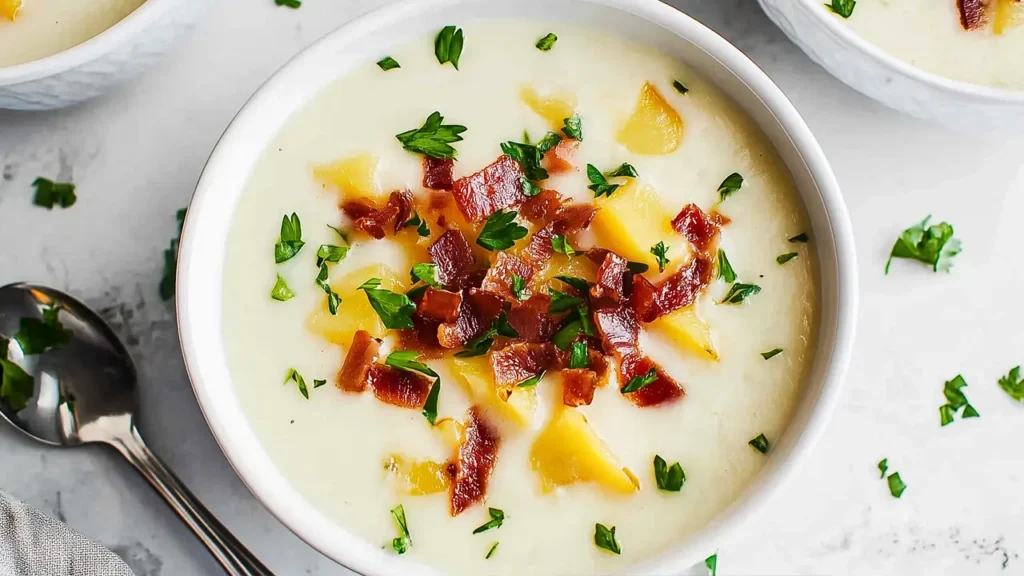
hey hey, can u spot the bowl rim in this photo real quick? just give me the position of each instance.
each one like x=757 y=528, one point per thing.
x=92 y=49
x=339 y=543
x=902 y=67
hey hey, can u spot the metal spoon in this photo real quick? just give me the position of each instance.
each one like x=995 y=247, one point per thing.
x=85 y=391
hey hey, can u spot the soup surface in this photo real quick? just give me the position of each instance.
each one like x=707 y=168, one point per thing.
x=350 y=453
x=43 y=28
x=929 y=34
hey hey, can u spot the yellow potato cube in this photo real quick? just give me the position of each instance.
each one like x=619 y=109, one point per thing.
x=632 y=220
x=355 y=176
x=654 y=128
x=10 y=8
x=568 y=451
x=476 y=378
x=418 y=477
x=452 y=432
x=560 y=265
x=687 y=328
x=554 y=108
x=1008 y=13
x=355 y=312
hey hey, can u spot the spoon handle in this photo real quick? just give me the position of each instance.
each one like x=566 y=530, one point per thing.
x=226 y=549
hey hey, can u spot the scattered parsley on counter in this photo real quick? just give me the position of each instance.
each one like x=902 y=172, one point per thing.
x=668 y=478
x=404 y=540
x=529 y=158
x=760 y=444
x=294 y=376
x=933 y=245
x=740 y=292
x=883 y=467
x=421 y=225
x=725 y=271
x=732 y=183
x=896 y=485
x=36 y=336
x=497 y=518
x=501 y=231
x=291 y=239
x=518 y=287
x=532 y=380
x=660 y=252
x=604 y=537
x=491 y=551
x=395 y=310
x=711 y=562
x=171 y=261
x=16 y=386
x=782 y=259
x=330 y=253
x=427 y=273
x=579 y=357
x=639 y=382
x=955 y=400
x=800 y=238
x=333 y=300
x=547 y=42
x=771 y=353
x=842 y=7
x=561 y=245
x=448 y=45
x=679 y=87
x=573 y=127
x=433 y=138
x=388 y=63
x=1013 y=385
x=281 y=292
x=50 y=194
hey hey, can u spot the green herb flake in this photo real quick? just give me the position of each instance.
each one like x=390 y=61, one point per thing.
x=577 y=283
x=883 y=467
x=406 y=360
x=338 y=231
x=36 y=336
x=425 y=272
x=896 y=485
x=760 y=444
x=783 y=258
x=566 y=334
x=547 y=42
x=739 y=292
x=395 y=310
x=404 y=540
x=50 y=194
x=529 y=188
x=679 y=87
x=579 y=358
x=561 y=301
x=771 y=353
x=573 y=127
x=800 y=238
x=171 y=261
x=291 y=239
x=433 y=138
x=637 y=267
x=497 y=518
x=955 y=400
x=289 y=3
x=549 y=141
x=532 y=380
x=448 y=45
x=598 y=183
x=430 y=406
x=529 y=158
x=518 y=287
x=711 y=563
x=660 y=252
x=1013 y=385
x=725 y=270
x=639 y=382
x=668 y=478
x=16 y=386
x=333 y=300
x=388 y=63
x=732 y=183
x=319 y=383
x=604 y=537
x=330 y=253
x=481 y=344
x=294 y=376
x=843 y=8
x=281 y=292
x=501 y=231
x=932 y=245
x=491 y=551
x=421 y=225
x=624 y=170
x=561 y=245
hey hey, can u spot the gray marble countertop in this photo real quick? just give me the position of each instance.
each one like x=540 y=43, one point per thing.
x=136 y=156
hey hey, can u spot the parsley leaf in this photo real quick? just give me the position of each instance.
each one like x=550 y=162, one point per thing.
x=579 y=357
x=344 y=236
x=491 y=551
x=577 y=283
x=281 y=292
x=638 y=382
x=497 y=518
x=637 y=267
x=955 y=400
x=36 y=336
x=333 y=300
x=624 y=170
x=711 y=562
x=740 y=292
x=291 y=239
x=800 y=238
x=430 y=406
x=560 y=301
x=896 y=485
x=404 y=540
x=501 y=231
x=760 y=444
x=933 y=245
x=725 y=271
x=883 y=467
x=679 y=87
x=433 y=138
x=783 y=258
x=1013 y=385
x=50 y=194
x=532 y=380
x=842 y=7
x=598 y=183
x=573 y=127
x=406 y=360
x=549 y=141
x=319 y=383
x=296 y=4
x=547 y=42
x=16 y=386
x=395 y=310
x=529 y=158
x=604 y=537
x=448 y=45
x=771 y=353
x=294 y=376
x=669 y=478
x=171 y=261
x=660 y=252
x=481 y=344
x=421 y=225
x=732 y=183
x=566 y=334
x=388 y=63
x=518 y=287
x=330 y=253
x=425 y=272
x=529 y=188
x=561 y=245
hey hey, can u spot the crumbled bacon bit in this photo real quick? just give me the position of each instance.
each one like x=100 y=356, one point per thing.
x=611 y=277
x=362 y=354
x=499 y=276
x=574 y=217
x=402 y=201
x=440 y=305
x=399 y=387
x=437 y=173
x=677 y=291
x=539 y=249
x=495 y=187
x=662 y=390
x=972 y=13
x=578 y=386
x=618 y=329
x=562 y=158
x=475 y=462
x=531 y=318
x=698 y=227
x=454 y=257
x=720 y=219
x=422 y=338
x=541 y=208
x=477 y=313
x=517 y=362
x=371 y=219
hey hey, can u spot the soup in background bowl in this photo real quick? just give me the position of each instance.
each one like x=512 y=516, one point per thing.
x=560 y=304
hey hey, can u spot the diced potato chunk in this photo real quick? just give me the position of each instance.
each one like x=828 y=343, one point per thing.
x=355 y=312
x=1008 y=13
x=687 y=328
x=568 y=451
x=452 y=431
x=355 y=176
x=418 y=477
x=9 y=9
x=632 y=220
x=555 y=108
x=654 y=128
x=560 y=265
x=475 y=375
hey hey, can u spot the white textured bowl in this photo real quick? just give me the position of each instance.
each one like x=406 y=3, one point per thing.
x=893 y=82
x=95 y=66
x=202 y=253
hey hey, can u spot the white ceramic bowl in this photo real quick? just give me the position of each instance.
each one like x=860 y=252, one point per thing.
x=893 y=82
x=93 y=67
x=202 y=253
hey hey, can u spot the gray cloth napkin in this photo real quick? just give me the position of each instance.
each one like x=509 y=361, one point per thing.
x=33 y=544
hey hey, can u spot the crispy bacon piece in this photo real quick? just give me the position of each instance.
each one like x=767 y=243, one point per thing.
x=402 y=200
x=499 y=276
x=972 y=13
x=437 y=173
x=476 y=314
x=422 y=338
x=517 y=362
x=677 y=291
x=662 y=390
x=541 y=208
x=477 y=455
x=440 y=305
x=495 y=187
x=574 y=217
x=618 y=328
x=362 y=354
x=453 y=257
x=399 y=387
x=718 y=218
x=531 y=318
x=698 y=227
x=611 y=276
x=371 y=219
x=539 y=249
x=562 y=158
x=578 y=386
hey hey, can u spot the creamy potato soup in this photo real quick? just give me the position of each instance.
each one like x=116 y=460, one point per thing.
x=560 y=353
x=976 y=41
x=34 y=29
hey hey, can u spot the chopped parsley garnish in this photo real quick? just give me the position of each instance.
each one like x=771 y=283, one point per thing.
x=330 y=253
x=388 y=63
x=740 y=292
x=406 y=360
x=639 y=382
x=404 y=540
x=577 y=283
x=549 y=141
x=333 y=300
x=171 y=261
x=783 y=258
x=637 y=267
x=319 y=383
x=660 y=252
x=448 y=45
x=560 y=301
x=679 y=87
x=430 y=406
x=711 y=563
x=842 y=7
x=395 y=310
x=599 y=181
x=800 y=238
x=725 y=271
x=36 y=336
x=896 y=485
x=344 y=236
x=294 y=376
x=604 y=537
x=1013 y=385
x=16 y=386
x=50 y=194
x=669 y=478
x=579 y=357
x=425 y=272
x=421 y=225
x=573 y=127
x=529 y=158
x=547 y=42
x=771 y=353
x=529 y=188
x=289 y=3
x=491 y=551
x=518 y=287
x=291 y=239
x=955 y=400
x=933 y=245
x=433 y=138
x=732 y=183
x=624 y=170
x=501 y=231
x=561 y=245
x=281 y=291
x=883 y=467
x=481 y=344
x=497 y=518
x=532 y=380
x=760 y=444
